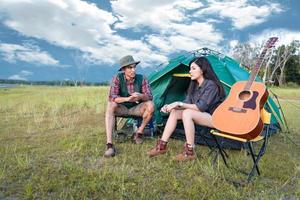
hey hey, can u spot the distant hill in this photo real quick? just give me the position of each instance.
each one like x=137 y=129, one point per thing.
x=55 y=82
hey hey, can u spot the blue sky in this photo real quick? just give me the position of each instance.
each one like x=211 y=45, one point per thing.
x=83 y=40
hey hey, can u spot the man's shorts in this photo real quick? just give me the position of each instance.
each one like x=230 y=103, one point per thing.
x=122 y=110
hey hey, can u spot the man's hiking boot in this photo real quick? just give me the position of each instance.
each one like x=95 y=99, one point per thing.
x=187 y=154
x=160 y=148
x=110 y=150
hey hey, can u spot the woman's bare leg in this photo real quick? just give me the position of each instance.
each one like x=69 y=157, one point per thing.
x=190 y=118
x=174 y=116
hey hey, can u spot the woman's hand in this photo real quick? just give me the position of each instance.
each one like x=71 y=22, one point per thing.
x=164 y=109
x=169 y=107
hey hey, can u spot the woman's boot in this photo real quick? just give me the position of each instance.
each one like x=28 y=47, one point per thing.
x=160 y=148
x=187 y=154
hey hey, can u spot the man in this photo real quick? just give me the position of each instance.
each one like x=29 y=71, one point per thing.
x=129 y=94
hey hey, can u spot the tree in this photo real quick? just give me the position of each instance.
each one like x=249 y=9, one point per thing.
x=282 y=55
x=246 y=54
x=280 y=65
x=292 y=70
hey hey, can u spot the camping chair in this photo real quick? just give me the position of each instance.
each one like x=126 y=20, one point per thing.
x=122 y=130
x=126 y=125
x=266 y=118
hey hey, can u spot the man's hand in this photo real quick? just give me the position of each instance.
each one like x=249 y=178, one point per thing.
x=131 y=99
x=135 y=97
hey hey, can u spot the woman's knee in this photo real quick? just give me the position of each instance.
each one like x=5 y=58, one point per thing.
x=176 y=113
x=187 y=113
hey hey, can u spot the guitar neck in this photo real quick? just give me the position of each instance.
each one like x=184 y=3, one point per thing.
x=255 y=70
x=257 y=66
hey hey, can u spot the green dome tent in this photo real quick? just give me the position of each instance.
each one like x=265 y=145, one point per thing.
x=170 y=83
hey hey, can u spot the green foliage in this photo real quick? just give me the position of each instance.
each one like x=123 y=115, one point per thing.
x=291 y=72
x=247 y=55
x=52 y=140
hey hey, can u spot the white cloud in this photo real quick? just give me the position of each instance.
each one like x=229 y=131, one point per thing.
x=284 y=36
x=186 y=37
x=188 y=4
x=233 y=43
x=74 y=24
x=27 y=53
x=83 y=26
x=23 y=75
x=185 y=43
x=200 y=31
x=162 y=43
x=111 y=52
x=70 y=23
x=153 y=14
x=242 y=13
x=170 y=22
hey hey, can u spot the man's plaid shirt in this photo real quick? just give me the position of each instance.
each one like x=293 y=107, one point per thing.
x=115 y=88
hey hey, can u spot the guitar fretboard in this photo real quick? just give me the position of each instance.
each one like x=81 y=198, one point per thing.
x=270 y=43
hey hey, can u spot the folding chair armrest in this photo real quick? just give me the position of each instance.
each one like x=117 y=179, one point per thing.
x=214 y=132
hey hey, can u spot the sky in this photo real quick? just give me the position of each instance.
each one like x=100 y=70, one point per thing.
x=43 y=40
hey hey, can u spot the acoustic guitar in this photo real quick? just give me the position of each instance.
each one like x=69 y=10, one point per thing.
x=239 y=114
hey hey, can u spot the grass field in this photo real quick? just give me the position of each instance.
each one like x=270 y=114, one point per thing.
x=52 y=140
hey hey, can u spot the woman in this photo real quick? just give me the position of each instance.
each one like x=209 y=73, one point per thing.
x=205 y=93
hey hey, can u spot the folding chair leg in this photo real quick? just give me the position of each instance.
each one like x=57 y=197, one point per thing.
x=255 y=162
x=207 y=144
x=221 y=150
x=260 y=154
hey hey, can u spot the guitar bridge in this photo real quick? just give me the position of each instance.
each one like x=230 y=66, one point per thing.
x=237 y=110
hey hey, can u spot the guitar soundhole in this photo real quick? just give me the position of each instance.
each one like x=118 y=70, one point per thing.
x=244 y=95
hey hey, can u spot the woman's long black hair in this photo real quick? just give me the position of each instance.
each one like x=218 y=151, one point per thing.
x=208 y=73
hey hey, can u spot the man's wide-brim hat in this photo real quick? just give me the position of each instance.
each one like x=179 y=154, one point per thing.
x=127 y=60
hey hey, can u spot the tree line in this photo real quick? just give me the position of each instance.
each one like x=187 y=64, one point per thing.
x=280 y=67
x=54 y=83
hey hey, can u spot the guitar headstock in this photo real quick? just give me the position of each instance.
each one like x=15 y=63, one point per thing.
x=271 y=41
